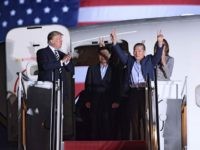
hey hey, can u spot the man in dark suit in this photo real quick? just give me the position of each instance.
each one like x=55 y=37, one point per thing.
x=99 y=96
x=51 y=59
x=138 y=67
x=53 y=64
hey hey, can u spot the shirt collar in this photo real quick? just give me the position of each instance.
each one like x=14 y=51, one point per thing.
x=104 y=65
x=52 y=48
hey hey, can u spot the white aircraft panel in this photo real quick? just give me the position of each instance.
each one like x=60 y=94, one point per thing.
x=22 y=45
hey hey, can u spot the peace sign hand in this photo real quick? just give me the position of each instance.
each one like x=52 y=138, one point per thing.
x=101 y=42
x=160 y=38
x=113 y=37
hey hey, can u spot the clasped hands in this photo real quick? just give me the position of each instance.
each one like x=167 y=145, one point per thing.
x=66 y=59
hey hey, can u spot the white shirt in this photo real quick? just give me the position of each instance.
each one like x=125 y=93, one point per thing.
x=103 y=69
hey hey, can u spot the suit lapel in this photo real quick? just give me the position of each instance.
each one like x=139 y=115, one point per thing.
x=98 y=71
x=51 y=54
x=107 y=74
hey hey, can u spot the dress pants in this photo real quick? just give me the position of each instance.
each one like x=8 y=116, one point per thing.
x=101 y=117
x=133 y=123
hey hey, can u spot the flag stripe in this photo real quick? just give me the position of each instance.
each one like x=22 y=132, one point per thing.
x=117 y=13
x=18 y=13
x=87 y=3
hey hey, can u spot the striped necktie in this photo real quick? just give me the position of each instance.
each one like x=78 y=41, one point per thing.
x=57 y=55
x=58 y=58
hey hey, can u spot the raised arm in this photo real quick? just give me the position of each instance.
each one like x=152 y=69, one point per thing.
x=157 y=56
x=117 y=49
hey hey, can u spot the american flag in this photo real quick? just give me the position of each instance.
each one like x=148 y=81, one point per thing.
x=18 y=13
x=93 y=11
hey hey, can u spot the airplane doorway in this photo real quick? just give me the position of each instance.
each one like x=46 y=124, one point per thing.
x=87 y=56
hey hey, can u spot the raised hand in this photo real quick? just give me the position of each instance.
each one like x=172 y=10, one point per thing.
x=101 y=42
x=160 y=38
x=113 y=37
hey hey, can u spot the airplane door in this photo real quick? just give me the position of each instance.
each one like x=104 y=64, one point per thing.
x=21 y=47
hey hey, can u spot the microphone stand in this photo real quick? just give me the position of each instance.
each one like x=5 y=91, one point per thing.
x=19 y=117
x=21 y=95
x=56 y=112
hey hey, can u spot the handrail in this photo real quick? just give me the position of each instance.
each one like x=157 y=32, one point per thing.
x=184 y=88
x=152 y=126
x=156 y=108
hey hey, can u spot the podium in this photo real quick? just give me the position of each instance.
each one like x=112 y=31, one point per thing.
x=38 y=117
x=39 y=99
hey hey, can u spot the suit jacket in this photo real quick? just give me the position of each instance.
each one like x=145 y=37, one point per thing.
x=147 y=64
x=94 y=84
x=47 y=63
